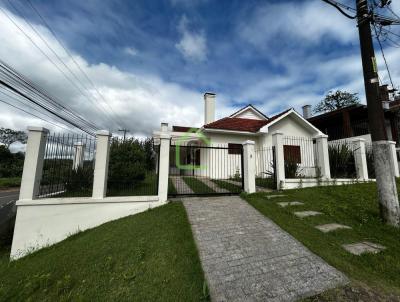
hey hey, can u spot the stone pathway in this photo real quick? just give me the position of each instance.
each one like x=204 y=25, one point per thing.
x=214 y=186
x=303 y=214
x=290 y=203
x=363 y=247
x=326 y=228
x=246 y=257
x=180 y=186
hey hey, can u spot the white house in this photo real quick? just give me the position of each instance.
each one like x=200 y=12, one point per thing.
x=231 y=132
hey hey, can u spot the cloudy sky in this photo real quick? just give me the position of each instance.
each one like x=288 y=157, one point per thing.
x=153 y=60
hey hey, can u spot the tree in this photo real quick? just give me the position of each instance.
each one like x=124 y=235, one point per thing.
x=336 y=100
x=9 y=136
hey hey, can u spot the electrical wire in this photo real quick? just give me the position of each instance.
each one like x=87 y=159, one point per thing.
x=339 y=7
x=383 y=55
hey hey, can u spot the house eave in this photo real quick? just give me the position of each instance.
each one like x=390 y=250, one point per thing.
x=229 y=131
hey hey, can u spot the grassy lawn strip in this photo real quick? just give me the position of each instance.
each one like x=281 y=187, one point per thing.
x=352 y=205
x=10 y=182
x=197 y=186
x=148 y=186
x=171 y=187
x=268 y=183
x=227 y=185
x=146 y=257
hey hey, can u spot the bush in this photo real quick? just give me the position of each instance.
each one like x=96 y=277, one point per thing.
x=11 y=164
x=291 y=169
x=80 y=181
x=341 y=161
x=127 y=163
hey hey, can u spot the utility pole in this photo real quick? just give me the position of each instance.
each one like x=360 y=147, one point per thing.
x=386 y=183
x=124 y=131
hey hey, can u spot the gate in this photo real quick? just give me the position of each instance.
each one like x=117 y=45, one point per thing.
x=265 y=167
x=205 y=170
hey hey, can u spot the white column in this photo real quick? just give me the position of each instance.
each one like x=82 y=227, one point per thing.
x=277 y=142
x=79 y=155
x=323 y=156
x=163 y=165
x=33 y=164
x=360 y=158
x=103 y=138
x=394 y=158
x=249 y=167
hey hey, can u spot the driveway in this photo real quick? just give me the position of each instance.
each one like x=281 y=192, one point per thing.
x=246 y=257
x=8 y=196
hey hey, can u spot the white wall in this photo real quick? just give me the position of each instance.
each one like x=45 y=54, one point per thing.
x=44 y=222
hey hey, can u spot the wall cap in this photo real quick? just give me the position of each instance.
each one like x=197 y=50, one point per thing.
x=358 y=139
x=321 y=136
x=38 y=129
x=103 y=133
x=249 y=142
x=277 y=132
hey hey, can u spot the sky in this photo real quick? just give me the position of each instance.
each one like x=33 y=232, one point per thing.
x=152 y=61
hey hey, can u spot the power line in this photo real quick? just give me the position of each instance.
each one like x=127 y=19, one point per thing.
x=30 y=113
x=53 y=63
x=339 y=7
x=72 y=58
x=383 y=55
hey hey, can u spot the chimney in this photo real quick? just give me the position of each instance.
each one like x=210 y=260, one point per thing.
x=209 y=108
x=307 y=111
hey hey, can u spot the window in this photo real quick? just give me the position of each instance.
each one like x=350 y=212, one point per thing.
x=292 y=153
x=234 y=149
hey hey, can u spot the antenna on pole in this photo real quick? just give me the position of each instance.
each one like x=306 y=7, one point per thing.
x=124 y=131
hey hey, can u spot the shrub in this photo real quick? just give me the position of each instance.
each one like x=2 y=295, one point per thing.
x=11 y=164
x=127 y=163
x=80 y=181
x=341 y=161
x=291 y=169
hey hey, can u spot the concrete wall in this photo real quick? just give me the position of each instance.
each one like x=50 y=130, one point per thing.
x=312 y=182
x=41 y=223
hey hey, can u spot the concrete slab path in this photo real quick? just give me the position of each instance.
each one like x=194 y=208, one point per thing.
x=246 y=257
x=180 y=185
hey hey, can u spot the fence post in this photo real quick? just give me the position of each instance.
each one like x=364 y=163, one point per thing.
x=277 y=142
x=360 y=158
x=163 y=165
x=249 y=167
x=101 y=164
x=79 y=155
x=33 y=164
x=394 y=157
x=323 y=156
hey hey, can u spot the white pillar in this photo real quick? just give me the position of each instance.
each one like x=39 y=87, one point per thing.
x=33 y=164
x=79 y=155
x=323 y=156
x=163 y=165
x=360 y=158
x=277 y=142
x=394 y=158
x=249 y=167
x=103 y=138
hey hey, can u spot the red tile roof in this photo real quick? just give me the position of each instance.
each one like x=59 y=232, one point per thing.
x=183 y=128
x=242 y=124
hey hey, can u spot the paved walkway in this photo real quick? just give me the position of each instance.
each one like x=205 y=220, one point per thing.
x=180 y=185
x=246 y=257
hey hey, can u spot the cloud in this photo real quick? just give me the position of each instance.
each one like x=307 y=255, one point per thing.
x=132 y=51
x=296 y=23
x=192 y=45
x=139 y=101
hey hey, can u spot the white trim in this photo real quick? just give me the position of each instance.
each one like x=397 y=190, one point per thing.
x=229 y=131
x=252 y=109
x=86 y=200
x=264 y=129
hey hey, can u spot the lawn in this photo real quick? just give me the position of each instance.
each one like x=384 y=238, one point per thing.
x=146 y=257
x=197 y=186
x=10 y=182
x=227 y=185
x=148 y=186
x=352 y=205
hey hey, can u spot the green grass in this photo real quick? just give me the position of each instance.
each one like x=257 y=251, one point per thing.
x=171 y=188
x=10 y=182
x=352 y=205
x=146 y=187
x=268 y=183
x=146 y=257
x=197 y=186
x=227 y=185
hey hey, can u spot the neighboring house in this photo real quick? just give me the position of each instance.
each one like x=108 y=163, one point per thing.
x=352 y=121
x=231 y=132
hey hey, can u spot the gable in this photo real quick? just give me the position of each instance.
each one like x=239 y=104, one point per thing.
x=292 y=124
x=249 y=112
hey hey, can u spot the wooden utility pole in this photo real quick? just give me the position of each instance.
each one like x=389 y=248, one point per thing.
x=124 y=131
x=386 y=183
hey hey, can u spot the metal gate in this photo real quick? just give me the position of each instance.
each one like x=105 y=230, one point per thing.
x=266 y=167
x=205 y=170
